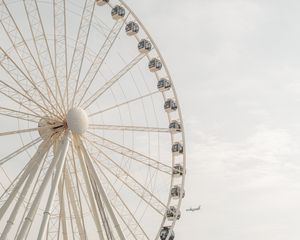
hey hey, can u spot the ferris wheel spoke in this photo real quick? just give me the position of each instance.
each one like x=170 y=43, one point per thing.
x=39 y=155
x=113 y=80
x=123 y=210
x=81 y=43
x=9 y=195
x=58 y=163
x=19 y=115
x=23 y=51
x=129 y=128
x=20 y=150
x=129 y=181
x=62 y=209
x=99 y=191
x=100 y=58
x=41 y=44
x=91 y=197
x=78 y=218
x=122 y=104
x=10 y=95
x=4 y=87
x=60 y=44
x=19 y=77
x=131 y=154
x=73 y=167
x=28 y=130
x=54 y=186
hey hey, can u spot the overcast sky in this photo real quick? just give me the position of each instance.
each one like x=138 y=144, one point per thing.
x=236 y=67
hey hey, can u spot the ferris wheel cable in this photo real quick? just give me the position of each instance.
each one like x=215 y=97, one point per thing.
x=100 y=188
x=132 y=183
x=20 y=150
x=57 y=162
x=112 y=81
x=117 y=198
x=128 y=128
x=131 y=154
x=81 y=43
x=41 y=43
x=124 y=103
x=21 y=47
x=100 y=58
x=87 y=181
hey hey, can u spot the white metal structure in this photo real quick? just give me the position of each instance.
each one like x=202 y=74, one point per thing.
x=92 y=140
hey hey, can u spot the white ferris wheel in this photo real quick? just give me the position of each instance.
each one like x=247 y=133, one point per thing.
x=92 y=140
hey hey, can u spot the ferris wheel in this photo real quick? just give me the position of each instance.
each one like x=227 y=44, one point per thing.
x=92 y=138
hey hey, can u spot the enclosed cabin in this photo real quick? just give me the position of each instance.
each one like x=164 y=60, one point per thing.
x=155 y=65
x=132 y=28
x=164 y=84
x=118 y=12
x=177 y=148
x=101 y=2
x=177 y=192
x=164 y=233
x=178 y=170
x=172 y=214
x=170 y=105
x=144 y=46
x=175 y=126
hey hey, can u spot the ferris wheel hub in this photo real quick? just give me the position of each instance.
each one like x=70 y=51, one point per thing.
x=77 y=120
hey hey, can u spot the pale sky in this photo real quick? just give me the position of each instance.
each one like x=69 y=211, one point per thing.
x=235 y=65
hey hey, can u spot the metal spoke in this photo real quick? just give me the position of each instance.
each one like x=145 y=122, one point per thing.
x=62 y=209
x=129 y=128
x=127 y=216
x=18 y=76
x=38 y=156
x=122 y=104
x=10 y=94
x=19 y=151
x=89 y=189
x=57 y=162
x=112 y=81
x=12 y=191
x=100 y=190
x=129 y=181
x=131 y=154
x=42 y=46
x=23 y=51
x=21 y=131
x=78 y=217
x=19 y=115
x=81 y=43
x=99 y=59
x=60 y=44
